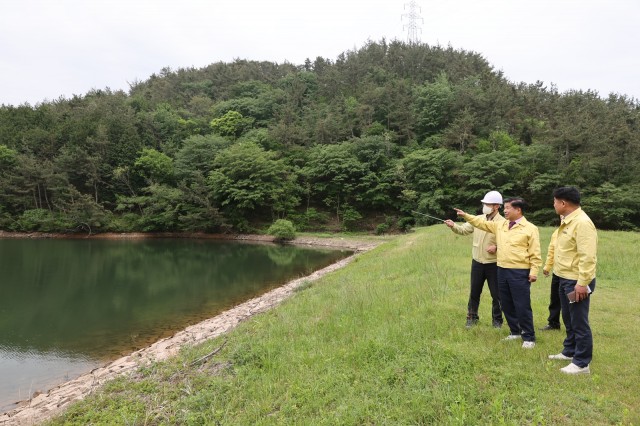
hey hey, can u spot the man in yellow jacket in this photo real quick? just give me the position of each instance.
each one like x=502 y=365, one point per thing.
x=574 y=262
x=483 y=263
x=519 y=260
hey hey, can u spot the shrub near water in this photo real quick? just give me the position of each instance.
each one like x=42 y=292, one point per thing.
x=282 y=230
x=383 y=341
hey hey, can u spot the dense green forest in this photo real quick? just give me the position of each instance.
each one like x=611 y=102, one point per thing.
x=358 y=142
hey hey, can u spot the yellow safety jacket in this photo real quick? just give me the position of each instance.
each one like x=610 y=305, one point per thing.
x=518 y=247
x=481 y=239
x=576 y=246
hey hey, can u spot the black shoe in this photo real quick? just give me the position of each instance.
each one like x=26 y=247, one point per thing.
x=497 y=324
x=471 y=322
x=550 y=327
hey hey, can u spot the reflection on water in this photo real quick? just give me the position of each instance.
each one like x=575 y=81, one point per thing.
x=23 y=373
x=69 y=305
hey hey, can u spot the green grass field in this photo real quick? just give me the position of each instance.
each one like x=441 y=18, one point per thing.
x=383 y=342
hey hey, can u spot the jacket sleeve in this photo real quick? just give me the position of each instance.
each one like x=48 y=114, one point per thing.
x=481 y=223
x=548 y=265
x=462 y=228
x=587 y=246
x=535 y=259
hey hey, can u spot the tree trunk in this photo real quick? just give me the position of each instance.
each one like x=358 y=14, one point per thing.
x=47 y=199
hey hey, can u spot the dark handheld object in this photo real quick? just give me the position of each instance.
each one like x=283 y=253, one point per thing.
x=436 y=218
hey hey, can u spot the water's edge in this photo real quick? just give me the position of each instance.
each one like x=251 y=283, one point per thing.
x=54 y=401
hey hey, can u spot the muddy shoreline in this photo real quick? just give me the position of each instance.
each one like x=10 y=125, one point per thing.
x=48 y=404
x=337 y=242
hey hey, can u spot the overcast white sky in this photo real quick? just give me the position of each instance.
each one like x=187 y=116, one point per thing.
x=53 y=48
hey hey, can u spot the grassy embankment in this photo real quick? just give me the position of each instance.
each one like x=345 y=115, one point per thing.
x=382 y=341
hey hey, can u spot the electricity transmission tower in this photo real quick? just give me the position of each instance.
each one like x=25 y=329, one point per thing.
x=413 y=16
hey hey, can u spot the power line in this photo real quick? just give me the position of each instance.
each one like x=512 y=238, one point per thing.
x=413 y=16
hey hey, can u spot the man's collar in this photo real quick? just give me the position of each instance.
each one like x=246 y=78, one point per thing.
x=568 y=218
x=520 y=221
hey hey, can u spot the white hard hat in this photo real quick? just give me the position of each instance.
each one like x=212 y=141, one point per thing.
x=492 y=197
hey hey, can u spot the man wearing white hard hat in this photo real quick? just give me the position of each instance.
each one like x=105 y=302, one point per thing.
x=483 y=265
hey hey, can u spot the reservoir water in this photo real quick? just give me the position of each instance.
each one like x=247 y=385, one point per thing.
x=67 y=306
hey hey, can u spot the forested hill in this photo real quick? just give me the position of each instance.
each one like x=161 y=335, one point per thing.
x=355 y=143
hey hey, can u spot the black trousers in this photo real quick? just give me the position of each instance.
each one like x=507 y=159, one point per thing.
x=515 y=297
x=579 y=341
x=481 y=272
x=554 y=302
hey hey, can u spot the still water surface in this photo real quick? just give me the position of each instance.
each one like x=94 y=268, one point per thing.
x=67 y=306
